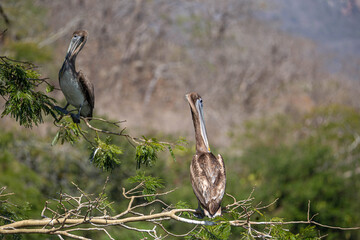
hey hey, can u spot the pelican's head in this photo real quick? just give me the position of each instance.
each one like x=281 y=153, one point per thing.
x=77 y=43
x=196 y=105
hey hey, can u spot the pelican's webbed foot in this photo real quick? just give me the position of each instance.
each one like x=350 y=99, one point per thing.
x=62 y=110
x=199 y=213
x=75 y=117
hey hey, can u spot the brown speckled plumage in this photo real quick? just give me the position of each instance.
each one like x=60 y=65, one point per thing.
x=207 y=172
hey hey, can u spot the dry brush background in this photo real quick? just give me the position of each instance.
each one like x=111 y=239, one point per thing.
x=143 y=56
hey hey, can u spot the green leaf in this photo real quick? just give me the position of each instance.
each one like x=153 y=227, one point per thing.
x=18 y=86
x=171 y=153
x=49 y=88
x=220 y=231
x=105 y=155
x=68 y=132
x=146 y=155
x=149 y=184
x=183 y=205
x=56 y=139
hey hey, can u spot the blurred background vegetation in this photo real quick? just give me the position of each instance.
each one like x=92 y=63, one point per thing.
x=285 y=121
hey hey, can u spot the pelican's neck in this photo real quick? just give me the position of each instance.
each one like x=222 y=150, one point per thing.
x=200 y=133
x=71 y=57
x=69 y=62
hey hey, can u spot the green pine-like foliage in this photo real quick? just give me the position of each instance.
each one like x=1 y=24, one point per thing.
x=18 y=85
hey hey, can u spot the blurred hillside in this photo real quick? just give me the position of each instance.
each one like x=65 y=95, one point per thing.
x=143 y=56
x=331 y=24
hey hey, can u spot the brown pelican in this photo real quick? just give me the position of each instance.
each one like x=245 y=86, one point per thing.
x=207 y=172
x=78 y=90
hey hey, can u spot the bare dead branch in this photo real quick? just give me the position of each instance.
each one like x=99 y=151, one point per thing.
x=77 y=211
x=121 y=133
x=7 y=219
x=173 y=234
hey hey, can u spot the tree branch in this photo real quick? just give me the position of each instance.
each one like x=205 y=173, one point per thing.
x=78 y=211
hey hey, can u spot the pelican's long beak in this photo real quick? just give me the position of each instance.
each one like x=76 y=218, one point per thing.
x=199 y=108
x=74 y=44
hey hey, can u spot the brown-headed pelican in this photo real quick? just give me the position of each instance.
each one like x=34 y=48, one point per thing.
x=207 y=172
x=77 y=90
